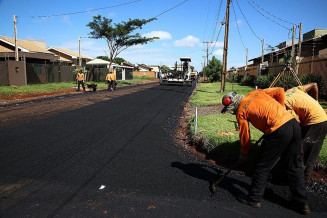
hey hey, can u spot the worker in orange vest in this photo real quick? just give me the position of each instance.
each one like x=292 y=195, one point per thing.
x=282 y=138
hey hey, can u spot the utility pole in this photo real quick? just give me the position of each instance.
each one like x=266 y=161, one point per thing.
x=16 y=46
x=79 y=51
x=207 y=51
x=204 y=61
x=293 y=47
x=223 y=73
x=299 y=49
x=246 y=61
x=263 y=51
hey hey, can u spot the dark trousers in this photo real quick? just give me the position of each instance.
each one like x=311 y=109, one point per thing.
x=79 y=84
x=284 y=143
x=313 y=138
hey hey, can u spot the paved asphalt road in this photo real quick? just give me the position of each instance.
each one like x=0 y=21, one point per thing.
x=117 y=158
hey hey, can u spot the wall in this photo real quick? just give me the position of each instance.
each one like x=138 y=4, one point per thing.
x=16 y=73
x=4 y=74
x=144 y=73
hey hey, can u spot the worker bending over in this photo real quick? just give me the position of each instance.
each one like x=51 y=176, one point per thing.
x=282 y=138
x=313 y=122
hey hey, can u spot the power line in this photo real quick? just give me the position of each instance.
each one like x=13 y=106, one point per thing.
x=267 y=17
x=238 y=29
x=272 y=14
x=247 y=21
x=222 y=24
x=205 y=30
x=171 y=8
x=86 y=11
x=217 y=17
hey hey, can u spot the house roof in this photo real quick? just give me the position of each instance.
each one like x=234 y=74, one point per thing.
x=73 y=54
x=23 y=45
x=144 y=66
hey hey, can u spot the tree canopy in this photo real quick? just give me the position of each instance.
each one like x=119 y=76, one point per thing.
x=213 y=70
x=164 y=69
x=118 y=36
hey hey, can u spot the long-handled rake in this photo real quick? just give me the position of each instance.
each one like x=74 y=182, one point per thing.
x=216 y=183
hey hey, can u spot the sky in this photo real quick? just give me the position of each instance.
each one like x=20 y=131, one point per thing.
x=184 y=26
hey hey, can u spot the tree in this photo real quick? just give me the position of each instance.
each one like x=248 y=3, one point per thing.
x=118 y=60
x=118 y=36
x=164 y=69
x=103 y=58
x=213 y=70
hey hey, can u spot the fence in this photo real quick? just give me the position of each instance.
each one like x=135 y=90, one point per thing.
x=4 y=73
x=42 y=73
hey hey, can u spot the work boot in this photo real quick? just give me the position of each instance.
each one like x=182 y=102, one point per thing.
x=243 y=199
x=302 y=208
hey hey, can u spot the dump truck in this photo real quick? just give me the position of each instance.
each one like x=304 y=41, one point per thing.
x=180 y=75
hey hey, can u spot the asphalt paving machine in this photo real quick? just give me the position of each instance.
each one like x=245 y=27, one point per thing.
x=181 y=75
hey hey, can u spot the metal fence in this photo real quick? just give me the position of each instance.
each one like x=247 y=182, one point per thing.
x=42 y=73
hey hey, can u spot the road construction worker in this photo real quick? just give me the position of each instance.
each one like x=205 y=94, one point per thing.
x=80 y=80
x=313 y=122
x=282 y=138
x=111 y=80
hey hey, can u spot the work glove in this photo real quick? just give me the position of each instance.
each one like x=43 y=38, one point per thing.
x=242 y=158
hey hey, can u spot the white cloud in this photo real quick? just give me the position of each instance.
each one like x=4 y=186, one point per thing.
x=66 y=19
x=161 y=34
x=189 y=41
x=218 y=52
x=165 y=45
x=239 y=22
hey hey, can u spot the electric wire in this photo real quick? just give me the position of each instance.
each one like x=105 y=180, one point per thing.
x=267 y=17
x=247 y=21
x=272 y=14
x=183 y=2
x=217 y=18
x=86 y=11
x=222 y=24
x=205 y=30
x=238 y=29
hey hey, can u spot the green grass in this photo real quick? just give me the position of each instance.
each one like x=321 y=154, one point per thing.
x=218 y=146
x=8 y=90
x=209 y=93
x=48 y=87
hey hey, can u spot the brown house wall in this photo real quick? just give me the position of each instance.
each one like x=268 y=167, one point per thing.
x=144 y=73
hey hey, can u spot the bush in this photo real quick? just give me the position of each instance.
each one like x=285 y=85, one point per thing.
x=248 y=81
x=312 y=78
x=264 y=82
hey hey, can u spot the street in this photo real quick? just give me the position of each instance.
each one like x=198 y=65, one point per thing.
x=113 y=154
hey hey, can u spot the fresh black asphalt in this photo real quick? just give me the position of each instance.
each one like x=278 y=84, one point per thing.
x=117 y=158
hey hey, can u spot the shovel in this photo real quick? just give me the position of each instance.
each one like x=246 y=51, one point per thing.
x=216 y=183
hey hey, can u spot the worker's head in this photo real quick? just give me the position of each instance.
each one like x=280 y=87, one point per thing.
x=231 y=101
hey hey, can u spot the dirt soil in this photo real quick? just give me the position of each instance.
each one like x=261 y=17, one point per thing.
x=184 y=138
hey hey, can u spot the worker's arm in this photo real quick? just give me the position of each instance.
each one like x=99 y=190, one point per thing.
x=313 y=88
x=245 y=136
x=276 y=93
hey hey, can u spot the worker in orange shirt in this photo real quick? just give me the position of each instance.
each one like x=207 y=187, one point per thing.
x=80 y=80
x=282 y=137
x=313 y=122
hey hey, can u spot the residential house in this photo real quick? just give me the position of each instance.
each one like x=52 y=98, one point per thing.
x=32 y=65
x=156 y=69
x=74 y=57
x=144 y=70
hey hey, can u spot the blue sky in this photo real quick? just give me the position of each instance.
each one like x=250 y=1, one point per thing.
x=183 y=26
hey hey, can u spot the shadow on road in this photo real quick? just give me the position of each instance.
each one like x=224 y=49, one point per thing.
x=234 y=186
